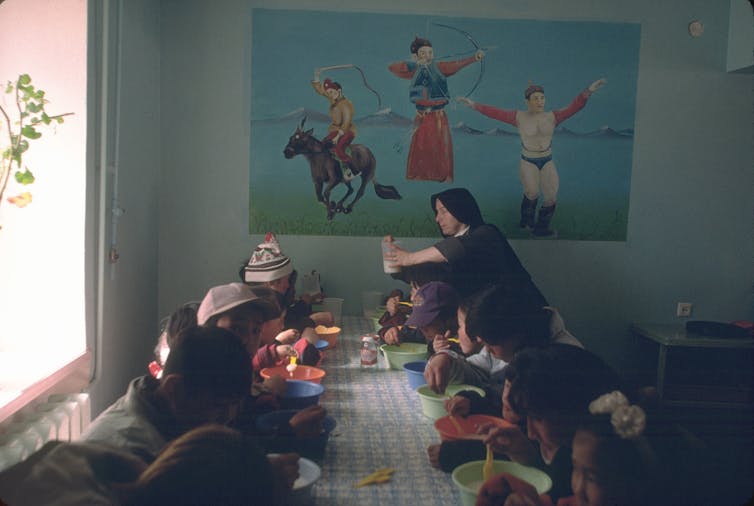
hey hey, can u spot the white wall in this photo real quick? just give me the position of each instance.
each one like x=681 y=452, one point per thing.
x=741 y=37
x=690 y=224
x=128 y=321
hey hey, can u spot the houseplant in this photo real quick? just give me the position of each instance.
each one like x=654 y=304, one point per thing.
x=19 y=128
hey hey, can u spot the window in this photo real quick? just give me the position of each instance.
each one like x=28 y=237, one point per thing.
x=42 y=302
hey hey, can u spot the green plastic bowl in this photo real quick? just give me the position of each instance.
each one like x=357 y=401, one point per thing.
x=376 y=315
x=433 y=405
x=468 y=478
x=397 y=355
x=376 y=322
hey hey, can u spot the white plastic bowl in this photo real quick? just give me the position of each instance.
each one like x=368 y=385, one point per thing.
x=309 y=473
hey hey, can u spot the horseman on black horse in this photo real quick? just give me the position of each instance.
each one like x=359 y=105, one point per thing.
x=327 y=171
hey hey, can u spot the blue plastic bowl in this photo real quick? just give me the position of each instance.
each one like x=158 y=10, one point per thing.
x=415 y=373
x=322 y=344
x=300 y=394
x=276 y=423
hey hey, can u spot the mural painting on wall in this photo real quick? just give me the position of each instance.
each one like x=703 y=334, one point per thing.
x=350 y=138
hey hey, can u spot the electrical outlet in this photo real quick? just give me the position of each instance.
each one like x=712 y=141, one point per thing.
x=684 y=309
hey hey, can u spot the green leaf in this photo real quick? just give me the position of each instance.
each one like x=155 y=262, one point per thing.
x=29 y=132
x=25 y=177
x=24 y=79
x=9 y=87
x=45 y=118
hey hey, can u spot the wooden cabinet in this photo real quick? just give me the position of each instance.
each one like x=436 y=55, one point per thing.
x=695 y=370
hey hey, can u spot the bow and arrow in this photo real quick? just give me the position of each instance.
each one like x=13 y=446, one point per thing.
x=477 y=47
x=482 y=69
x=363 y=78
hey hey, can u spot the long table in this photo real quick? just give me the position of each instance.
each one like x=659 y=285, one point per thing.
x=379 y=424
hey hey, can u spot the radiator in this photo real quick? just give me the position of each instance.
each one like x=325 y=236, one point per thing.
x=63 y=417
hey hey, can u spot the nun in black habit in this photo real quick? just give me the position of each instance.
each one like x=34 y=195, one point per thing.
x=472 y=254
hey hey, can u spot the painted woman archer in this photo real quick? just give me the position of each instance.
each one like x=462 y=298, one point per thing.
x=430 y=157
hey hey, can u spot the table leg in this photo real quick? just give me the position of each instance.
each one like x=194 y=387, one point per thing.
x=661 y=359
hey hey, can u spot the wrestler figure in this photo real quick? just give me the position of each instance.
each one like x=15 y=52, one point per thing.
x=537 y=169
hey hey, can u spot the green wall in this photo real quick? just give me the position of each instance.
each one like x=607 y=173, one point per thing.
x=690 y=222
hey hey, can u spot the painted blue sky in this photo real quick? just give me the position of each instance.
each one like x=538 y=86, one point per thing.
x=563 y=56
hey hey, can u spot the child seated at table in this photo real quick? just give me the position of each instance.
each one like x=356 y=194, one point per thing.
x=622 y=457
x=433 y=318
x=277 y=345
x=210 y=464
x=268 y=266
x=503 y=321
x=235 y=307
x=397 y=334
x=181 y=318
x=551 y=388
x=396 y=312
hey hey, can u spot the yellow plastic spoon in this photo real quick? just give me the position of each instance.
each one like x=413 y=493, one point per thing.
x=488 y=469
x=292 y=366
x=379 y=476
x=457 y=425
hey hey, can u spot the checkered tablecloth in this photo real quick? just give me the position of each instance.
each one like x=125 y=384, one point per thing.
x=379 y=424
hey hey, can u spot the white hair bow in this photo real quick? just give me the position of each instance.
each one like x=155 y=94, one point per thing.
x=628 y=421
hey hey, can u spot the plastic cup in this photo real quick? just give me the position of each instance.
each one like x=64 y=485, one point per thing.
x=369 y=302
x=388 y=266
x=335 y=306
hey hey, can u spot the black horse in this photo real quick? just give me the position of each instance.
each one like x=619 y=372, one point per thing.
x=326 y=169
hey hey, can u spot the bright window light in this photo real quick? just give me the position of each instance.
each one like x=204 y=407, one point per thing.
x=42 y=306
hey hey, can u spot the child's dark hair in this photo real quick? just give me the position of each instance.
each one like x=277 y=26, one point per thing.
x=448 y=319
x=274 y=298
x=231 y=469
x=559 y=379
x=290 y=295
x=501 y=311
x=182 y=318
x=396 y=292
x=210 y=359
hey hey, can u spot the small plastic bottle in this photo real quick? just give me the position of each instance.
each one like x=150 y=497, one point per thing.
x=368 y=353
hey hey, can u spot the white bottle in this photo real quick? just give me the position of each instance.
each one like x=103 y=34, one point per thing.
x=368 y=353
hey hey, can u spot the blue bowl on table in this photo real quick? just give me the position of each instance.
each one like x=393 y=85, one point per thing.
x=275 y=424
x=322 y=344
x=415 y=373
x=300 y=394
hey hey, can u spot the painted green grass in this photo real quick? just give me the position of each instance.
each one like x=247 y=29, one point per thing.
x=310 y=225
x=573 y=220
